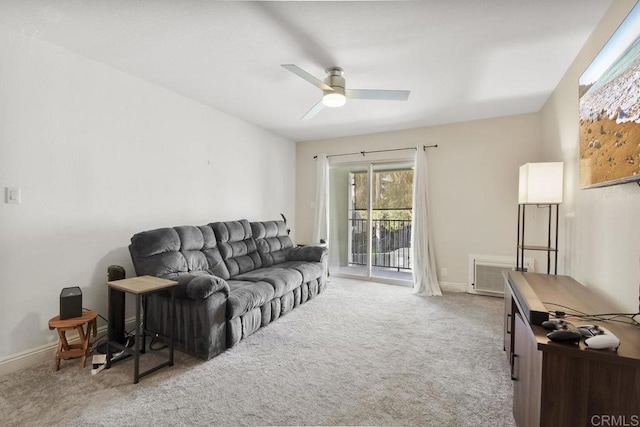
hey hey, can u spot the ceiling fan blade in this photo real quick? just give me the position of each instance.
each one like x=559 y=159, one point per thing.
x=308 y=77
x=314 y=110
x=389 y=95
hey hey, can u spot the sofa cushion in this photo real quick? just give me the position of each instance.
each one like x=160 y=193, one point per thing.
x=237 y=246
x=197 y=285
x=272 y=241
x=191 y=244
x=308 y=253
x=210 y=249
x=245 y=296
x=282 y=280
x=156 y=252
x=154 y=242
x=167 y=251
x=309 y=270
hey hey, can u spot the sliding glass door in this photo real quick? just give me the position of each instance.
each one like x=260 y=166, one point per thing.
x=370 y=223
x=392 y=197
x=349 y=225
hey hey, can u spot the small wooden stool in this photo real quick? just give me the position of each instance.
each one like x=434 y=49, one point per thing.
x=81 y=349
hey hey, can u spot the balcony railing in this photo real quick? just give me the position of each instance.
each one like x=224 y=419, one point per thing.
x=390 y=243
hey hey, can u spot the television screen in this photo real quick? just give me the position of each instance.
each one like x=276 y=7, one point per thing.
x=609 y=92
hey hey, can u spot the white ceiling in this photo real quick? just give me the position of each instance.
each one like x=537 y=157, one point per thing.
x=461 y=59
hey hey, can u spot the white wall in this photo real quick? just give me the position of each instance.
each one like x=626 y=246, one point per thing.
x=474 y=182
x=599 y=228
x=100 y=155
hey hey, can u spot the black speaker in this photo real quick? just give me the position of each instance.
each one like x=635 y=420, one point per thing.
x=70 y=303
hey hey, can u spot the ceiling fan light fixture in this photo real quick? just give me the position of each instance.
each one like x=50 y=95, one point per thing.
x=334 y=92
x=334 y=99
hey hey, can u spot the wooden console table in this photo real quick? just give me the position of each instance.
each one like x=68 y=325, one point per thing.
x=565 y=384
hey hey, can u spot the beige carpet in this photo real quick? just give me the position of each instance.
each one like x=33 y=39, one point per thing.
x=360 y=354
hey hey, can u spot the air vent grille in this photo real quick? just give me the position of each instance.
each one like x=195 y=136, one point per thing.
x=486 y=273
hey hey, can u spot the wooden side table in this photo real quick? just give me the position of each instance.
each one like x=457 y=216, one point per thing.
x=81 y=349
x=141 y=286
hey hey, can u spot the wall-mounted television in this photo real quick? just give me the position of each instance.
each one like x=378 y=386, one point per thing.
x=609 y=92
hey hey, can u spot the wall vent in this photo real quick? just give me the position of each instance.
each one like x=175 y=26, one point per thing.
x=485 y=273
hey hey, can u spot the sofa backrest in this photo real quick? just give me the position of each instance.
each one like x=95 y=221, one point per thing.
x=169 y=252
x=272 y=241
x=237 y=246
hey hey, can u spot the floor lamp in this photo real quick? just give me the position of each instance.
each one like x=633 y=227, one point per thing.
x=540 y=184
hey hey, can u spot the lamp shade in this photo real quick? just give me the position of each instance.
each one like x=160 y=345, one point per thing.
x=540 y=183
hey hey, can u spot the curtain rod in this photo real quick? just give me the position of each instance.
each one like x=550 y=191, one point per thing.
x=424 y=147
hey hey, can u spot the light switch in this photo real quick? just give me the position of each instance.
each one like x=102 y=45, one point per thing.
x=12 y=195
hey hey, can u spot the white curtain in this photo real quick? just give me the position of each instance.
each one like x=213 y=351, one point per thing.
x=321 y=216
x=425 y=279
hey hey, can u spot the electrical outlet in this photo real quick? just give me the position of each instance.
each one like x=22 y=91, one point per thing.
x=444 y=272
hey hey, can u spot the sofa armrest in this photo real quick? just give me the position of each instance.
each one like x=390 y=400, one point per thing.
x=199 y=286
x=307 y=253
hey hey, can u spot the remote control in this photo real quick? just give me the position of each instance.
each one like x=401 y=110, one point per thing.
x=565 y=335
x=553 y=325
x=588 y=331
x=562 y=331
x=604 y=340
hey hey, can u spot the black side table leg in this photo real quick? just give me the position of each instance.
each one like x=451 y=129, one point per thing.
x=138 y=339
x=109 y=332
x=144 y=324
x=172 y=323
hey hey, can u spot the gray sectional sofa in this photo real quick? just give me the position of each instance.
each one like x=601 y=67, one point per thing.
x=233 y=278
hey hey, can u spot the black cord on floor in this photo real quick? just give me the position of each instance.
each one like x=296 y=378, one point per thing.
x=128 y=334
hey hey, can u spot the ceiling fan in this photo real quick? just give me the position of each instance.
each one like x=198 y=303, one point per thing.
x=335 y=92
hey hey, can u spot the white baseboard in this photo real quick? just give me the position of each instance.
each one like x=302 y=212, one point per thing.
x=31 y=357
x=453 y=287
x=27 y=358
